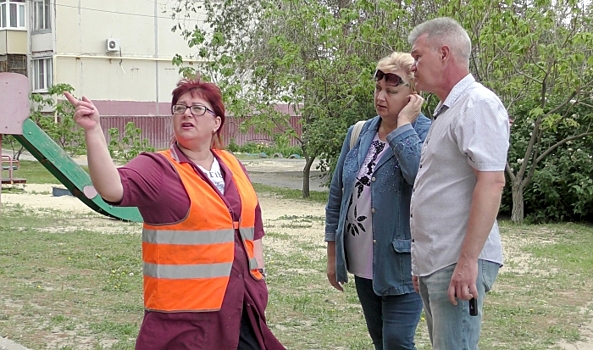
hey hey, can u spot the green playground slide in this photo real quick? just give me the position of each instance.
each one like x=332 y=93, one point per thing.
x=68 y=172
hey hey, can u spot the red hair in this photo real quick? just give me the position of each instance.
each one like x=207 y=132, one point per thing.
x=207 y=91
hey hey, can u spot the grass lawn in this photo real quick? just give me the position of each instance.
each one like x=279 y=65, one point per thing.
x=34 y=172
x=63 y=281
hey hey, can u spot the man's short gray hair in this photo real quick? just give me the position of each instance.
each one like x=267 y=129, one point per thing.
x=444 y=31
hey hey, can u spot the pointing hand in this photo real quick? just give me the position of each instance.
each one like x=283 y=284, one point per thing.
x=86 y=114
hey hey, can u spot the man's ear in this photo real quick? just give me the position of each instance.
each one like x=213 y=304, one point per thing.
x=444 y=52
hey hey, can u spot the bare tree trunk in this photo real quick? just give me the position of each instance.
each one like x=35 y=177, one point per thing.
x=517 y=214
x=306 y=175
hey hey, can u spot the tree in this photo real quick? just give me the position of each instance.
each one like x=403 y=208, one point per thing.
x=316 y=56
x=562 y=187
x=538 y=57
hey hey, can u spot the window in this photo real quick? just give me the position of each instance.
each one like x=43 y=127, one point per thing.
x=42 y=74
x=2 y=13
x=41 y=14
x=12 y=14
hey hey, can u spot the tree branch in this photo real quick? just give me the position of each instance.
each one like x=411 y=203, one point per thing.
x=529 y=150
x=560 y=106
x=509 y=171
x=527 y=179
x=525 y=74
x=560 y=143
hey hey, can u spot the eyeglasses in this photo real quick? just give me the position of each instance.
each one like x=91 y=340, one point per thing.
x=196 y=110
x=390 y=78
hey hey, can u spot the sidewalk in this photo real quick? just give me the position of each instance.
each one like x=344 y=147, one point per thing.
x=277 y=172
x=6 y=344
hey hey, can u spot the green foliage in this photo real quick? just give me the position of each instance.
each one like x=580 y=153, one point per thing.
x=128 y=145
x=56 y=119
x=265 y=150
x=562 y=185
x=318 y=58
x=563 y=189
x=536 y=59
x=10 y=142
x=36 y=173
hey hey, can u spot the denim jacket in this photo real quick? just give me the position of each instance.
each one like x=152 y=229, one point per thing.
x=391 y=191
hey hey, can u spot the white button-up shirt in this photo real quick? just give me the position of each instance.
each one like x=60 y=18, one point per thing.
x=470 y=132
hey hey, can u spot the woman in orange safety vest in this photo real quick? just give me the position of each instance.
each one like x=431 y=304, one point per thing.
x=202 y=249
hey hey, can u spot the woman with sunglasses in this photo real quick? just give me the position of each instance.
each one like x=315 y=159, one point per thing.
x=368 y=210
x=202 y=249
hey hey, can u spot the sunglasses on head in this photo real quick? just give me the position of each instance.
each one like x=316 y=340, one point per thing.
x=390 y=78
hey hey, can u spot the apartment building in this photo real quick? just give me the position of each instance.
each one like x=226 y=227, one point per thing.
x=116 y=52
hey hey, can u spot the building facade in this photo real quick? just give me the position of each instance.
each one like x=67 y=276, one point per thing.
x=117 y=53
x=13 y=36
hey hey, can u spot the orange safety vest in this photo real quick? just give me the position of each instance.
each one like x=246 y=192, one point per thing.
x=187 y=264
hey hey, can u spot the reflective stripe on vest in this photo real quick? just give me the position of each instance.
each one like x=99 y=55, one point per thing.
x=188 y=237
x=247 y=234
x=186 y=271
x=187 y=264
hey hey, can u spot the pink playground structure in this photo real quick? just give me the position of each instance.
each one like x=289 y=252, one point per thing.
x=14 y=120
x=14 y=109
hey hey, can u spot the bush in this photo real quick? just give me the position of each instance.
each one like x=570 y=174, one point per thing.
x=59 y=124
x=257 y=148
x=563 y=189
x=129 y=144
x=562 y=184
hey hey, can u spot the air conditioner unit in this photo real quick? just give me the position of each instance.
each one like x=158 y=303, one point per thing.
x=112 y=45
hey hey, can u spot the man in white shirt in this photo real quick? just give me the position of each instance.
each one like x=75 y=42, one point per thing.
x=456 y=247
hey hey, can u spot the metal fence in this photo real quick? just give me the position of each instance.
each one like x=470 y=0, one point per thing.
x=159 y=130
x=231 y=131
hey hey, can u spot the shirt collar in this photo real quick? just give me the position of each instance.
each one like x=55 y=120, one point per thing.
x=180 y=157
x=177 y=154
x=455 y=93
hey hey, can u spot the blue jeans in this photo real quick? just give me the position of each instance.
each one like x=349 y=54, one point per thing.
x=451 y=327
x=392 y=319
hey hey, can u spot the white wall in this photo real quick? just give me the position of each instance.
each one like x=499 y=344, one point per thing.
x=141 y=71
x=42 y=42
x=13 y=42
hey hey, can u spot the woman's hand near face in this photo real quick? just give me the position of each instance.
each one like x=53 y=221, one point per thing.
x=86 y=114
x=411 y=111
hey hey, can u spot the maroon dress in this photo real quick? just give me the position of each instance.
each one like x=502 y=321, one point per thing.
x=151 y=184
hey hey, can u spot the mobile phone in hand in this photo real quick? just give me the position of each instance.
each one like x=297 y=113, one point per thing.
x=473 y=307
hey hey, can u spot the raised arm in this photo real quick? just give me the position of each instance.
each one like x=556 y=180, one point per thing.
x=103 y=172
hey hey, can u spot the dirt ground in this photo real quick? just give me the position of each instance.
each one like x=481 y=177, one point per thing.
x=283 y=173
x=276 y=213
